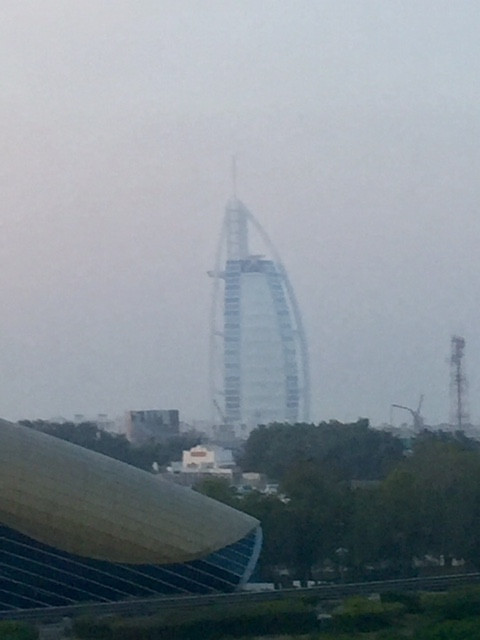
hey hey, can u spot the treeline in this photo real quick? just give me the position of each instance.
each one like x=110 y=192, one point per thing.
x=347 y=451
x=393 y=616
x=90 y=436
x=354 y=504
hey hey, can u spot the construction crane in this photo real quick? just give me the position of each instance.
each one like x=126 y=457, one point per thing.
x=418 y=421
x=220 y=412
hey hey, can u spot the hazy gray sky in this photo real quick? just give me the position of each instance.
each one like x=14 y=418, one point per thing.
x=356 y=128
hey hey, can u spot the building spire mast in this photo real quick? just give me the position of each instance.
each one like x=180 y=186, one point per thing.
x=234 y=176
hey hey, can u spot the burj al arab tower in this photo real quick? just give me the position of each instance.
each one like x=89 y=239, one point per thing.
x=259 y=370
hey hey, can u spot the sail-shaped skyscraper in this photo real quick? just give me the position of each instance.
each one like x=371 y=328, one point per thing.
x=259 y=369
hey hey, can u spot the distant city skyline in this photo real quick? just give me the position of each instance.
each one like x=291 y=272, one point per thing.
x=355 y=124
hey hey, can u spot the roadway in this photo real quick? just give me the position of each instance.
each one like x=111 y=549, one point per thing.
x=140 y=607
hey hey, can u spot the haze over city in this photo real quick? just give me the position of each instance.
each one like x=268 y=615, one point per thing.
x=355 y=128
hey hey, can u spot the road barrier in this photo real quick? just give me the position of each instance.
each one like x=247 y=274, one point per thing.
x=139 y=607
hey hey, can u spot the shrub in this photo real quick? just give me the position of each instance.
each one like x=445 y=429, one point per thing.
x=12 y=630
x=86 y=627
x=454 y=605
x=361 y=614
x=411 y=601
x=450 y=630
x=390 y=635
x=212 y=624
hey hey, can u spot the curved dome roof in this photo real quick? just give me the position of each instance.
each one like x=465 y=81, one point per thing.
x=87 y=504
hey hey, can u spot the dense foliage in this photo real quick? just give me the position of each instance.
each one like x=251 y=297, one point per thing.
x=347 y=451
x=354 y=506
x=90 y=436
x=213 y=623
x=448 y=616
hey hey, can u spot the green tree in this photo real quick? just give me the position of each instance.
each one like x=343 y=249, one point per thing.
x=90 y=436
x=430 y=504
x=279 y=532
x=347 y=451
x=447 y=470
x=219 y=489
x=365 y=534
x=321 y=510
x=400 y=500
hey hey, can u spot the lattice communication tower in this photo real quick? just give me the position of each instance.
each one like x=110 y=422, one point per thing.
x=459 y=417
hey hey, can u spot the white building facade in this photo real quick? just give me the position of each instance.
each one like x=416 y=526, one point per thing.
x=205 y=457
x=205 y=460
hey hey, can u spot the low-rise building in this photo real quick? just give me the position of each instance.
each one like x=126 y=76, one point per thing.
x=202 y=457
x=152 y=425
x=204 y=460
